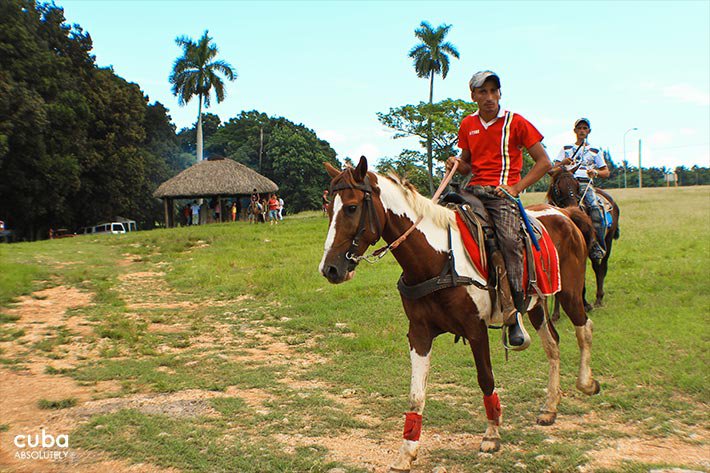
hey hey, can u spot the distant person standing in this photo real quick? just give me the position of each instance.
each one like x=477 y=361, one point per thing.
x=186 y=214
x=281 y=208
x=195 y=207
x=234 y=211
x=273 y=205
x=217 y=211
x=243 y=207
x=325 y=202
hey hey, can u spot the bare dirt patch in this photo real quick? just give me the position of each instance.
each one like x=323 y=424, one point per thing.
x=661 y=450
x=41 y=316
x=358 y=448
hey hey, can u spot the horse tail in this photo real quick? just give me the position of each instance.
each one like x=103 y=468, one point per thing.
x=583 y=223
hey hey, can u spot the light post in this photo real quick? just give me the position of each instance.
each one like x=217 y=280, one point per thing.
x=625 y=161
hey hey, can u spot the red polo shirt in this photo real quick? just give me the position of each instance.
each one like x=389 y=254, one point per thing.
x=496 y=151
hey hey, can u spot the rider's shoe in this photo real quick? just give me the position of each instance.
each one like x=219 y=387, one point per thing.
x=596 y=252
x=515 y=337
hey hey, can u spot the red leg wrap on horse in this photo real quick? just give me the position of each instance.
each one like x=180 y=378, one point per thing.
x=493 y=409
x=412 y=426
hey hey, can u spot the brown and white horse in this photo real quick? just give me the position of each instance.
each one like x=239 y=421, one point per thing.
x=366 y=207
x=564 y=192
x=255 y=212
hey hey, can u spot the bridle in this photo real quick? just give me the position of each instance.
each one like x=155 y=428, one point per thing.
x=558 y=195
x=367 y=215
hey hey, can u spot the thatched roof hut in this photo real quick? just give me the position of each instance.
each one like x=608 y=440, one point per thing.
x=214 y=177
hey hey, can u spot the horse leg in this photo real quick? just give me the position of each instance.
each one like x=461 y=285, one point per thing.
x=550 y=343
x=587 y=306
x=583 y=328
x=556 y=311
x=600 y=273
x=420 y=342
x=484 y=370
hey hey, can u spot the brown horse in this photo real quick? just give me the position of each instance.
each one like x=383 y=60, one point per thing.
x=255 y=212
x=564 y=192
x=366 y=207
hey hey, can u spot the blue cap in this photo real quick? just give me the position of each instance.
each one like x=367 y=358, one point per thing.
x=580 y=120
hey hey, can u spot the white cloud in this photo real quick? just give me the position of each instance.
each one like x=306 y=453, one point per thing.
x=332 y=136
x=369 y=150
x=688 y=131
x=686 y=93
x=661 y=138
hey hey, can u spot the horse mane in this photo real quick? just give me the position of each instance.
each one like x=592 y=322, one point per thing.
x=421 y=205
x=583 y=223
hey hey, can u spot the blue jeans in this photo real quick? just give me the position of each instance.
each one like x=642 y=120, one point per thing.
x=594 y=209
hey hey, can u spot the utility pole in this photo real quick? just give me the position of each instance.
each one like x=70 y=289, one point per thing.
x=630 y=129
x=261 y=144
x=640 y=176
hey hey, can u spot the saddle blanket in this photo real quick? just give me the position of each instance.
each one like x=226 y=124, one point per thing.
x=547 y=262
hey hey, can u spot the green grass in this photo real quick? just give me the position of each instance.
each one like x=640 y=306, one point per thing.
x=191 y=445
x=58 y=404
x=650 y=349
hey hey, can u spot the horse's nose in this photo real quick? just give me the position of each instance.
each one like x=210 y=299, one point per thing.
x=331 y=272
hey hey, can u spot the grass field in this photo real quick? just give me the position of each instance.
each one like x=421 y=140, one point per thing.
x=221 y=348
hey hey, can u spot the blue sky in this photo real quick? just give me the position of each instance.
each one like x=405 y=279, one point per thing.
x=333 y=65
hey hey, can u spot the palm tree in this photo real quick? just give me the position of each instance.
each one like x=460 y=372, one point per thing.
x=431 y=57
x=196 y=72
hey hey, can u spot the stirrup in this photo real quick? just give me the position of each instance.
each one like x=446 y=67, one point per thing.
x=523 y=333
x=597 y=253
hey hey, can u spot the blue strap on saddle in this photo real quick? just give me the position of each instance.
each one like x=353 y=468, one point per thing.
x=526 y=220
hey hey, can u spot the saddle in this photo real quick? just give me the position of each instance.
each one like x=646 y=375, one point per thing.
x=541 y=273
x=605 y=205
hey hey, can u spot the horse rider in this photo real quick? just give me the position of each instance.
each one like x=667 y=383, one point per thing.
x=491 y=142
x=591 y=166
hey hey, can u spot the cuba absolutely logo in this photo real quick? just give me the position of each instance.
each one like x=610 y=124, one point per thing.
x=42 y=446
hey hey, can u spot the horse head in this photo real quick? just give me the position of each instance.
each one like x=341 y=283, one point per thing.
x=356 y=214
x=564 y=188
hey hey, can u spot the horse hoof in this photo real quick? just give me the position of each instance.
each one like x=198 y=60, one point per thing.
x=546 y=418
x=490 y=445
x=591 y=390
x=598 y=304
x=597 y=387
x=588 y=307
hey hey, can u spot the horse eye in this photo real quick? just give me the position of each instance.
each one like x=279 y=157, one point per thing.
x=351 y=209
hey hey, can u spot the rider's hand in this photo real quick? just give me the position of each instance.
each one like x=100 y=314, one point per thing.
x=509 y=189
x=566 y=162
x=450 y=162
x=592 y=173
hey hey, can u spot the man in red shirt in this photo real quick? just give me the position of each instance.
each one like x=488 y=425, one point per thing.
x=491 y=142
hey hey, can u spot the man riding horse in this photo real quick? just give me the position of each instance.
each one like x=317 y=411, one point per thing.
x=589 y=164
x=491 y=142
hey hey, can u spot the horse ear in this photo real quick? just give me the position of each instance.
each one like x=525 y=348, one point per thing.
x=361 y=169
x=332 y=171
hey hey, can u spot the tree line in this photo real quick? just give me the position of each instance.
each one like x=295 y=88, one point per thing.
x=80 y=145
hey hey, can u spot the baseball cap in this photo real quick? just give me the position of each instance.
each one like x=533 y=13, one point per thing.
x=580 y=120
x=480 y=77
